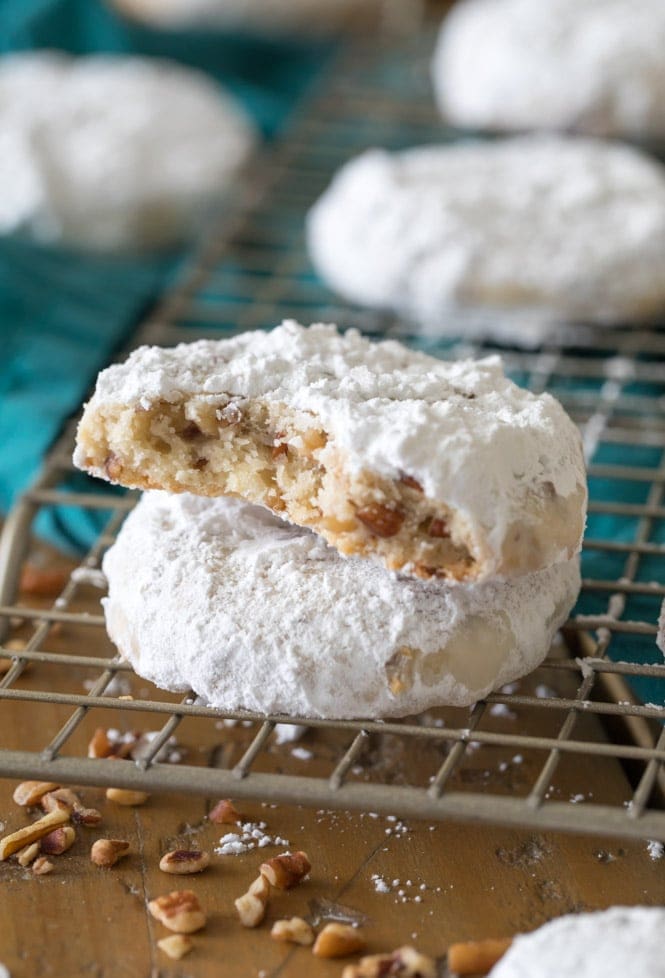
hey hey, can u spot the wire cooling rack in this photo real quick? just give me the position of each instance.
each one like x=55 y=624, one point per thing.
x=528 y=755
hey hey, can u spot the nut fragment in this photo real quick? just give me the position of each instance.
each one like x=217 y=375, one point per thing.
x=251 y=906
x=41 y=582
x=64 y=799
x=100 y=745
x=107 y=852
x=338 y=941
x=476 y=957
x=124 y=796
x=42 y=866
x=182 y=862
x=30 y=792
x=224 y=813
x=438 y=528
x=405 y=962
x=179 y=910
x=286 y=870
x=58 y=841
x=410 y=482
x=113 y=466
x=31 y=833
x=27 y=854
x=176 y=946
x=295 y=931
x=382 y=521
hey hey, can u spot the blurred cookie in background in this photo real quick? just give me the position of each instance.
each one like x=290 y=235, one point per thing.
x=536 y=230
x=112 y=153
x=593 y=66
x=273 y=16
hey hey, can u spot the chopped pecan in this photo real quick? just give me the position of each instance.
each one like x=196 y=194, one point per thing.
x=31 y=833
x=294 y=931
x=410 y=482
x=476 y=957
x=286 y=870
x=42 y=866
x=58 y=841
x=438 y=528
x=107 y=852
x=179 y=910
x=183 y=862
x=381 y=520
x=405 y=962
x=338 y=941
x=251 y=906
x=224 y=813
x=30 y=792
x=176 y=946
x=125 y=796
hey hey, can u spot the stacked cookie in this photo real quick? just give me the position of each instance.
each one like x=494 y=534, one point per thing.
x=344 y=528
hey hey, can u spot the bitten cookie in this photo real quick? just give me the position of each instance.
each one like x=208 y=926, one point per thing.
x=110 y=152
x=436 y=468
x=562 y=227
x=594 y=66
x=252 y=612
x=612 y=943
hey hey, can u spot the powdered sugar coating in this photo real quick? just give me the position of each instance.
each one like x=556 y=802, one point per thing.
x=551 y=227
x=611 y=943
x=254 y=613
x=109 y=152
x=467 y=434
x=592 y=65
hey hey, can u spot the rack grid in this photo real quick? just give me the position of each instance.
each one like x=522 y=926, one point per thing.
x=598 y=698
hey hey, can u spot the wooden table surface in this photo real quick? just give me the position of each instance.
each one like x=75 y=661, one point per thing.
x=456 y=881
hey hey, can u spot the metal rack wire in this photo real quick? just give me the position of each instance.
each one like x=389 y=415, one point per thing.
x=596 y=700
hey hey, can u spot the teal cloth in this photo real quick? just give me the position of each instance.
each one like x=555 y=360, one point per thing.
x=63 y=314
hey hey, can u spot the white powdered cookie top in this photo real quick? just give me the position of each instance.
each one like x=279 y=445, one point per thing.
x=564 y=227
x=471 y=437
x=595 y=65
x=614 y=943
x=253 y=612
x=110 y=152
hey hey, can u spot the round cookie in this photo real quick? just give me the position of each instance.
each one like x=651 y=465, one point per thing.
x=612 y=943
x=557 y=228
x=251 y=612
x=110 y=152
x=263 y=16
x=593 y=66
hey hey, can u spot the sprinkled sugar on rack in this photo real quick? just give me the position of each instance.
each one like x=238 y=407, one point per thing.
x=597 y=700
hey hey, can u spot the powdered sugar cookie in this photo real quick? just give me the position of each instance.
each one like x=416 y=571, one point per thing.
x=612 y=943
x=112 y=152
x=313 y=16
x=596 y=66
x=252 y=612
x=438 y=468
x=564 y=228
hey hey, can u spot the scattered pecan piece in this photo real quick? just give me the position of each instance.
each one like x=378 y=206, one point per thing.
x=294 y=931
x=176 y=946
x=179 y=910
x=476 y=957
x=382 y=521
x=405 y=962
x=26 y=855
x=125 y=796
x=107 y=852
x=338 y=941
x=224 y=813
x=58 y=841
x=251 y=906
x=182 y=862
x=286 y=870
x=408 y=480
x=42 y=866
x=30 y=792
x=31 y=833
